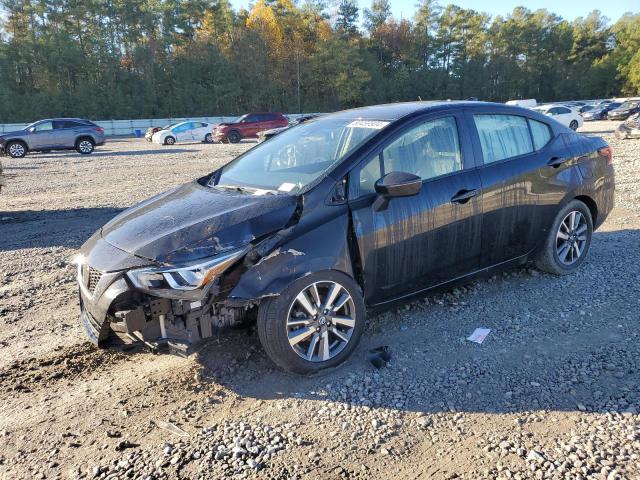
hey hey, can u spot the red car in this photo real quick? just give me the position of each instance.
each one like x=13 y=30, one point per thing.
x=248 y=126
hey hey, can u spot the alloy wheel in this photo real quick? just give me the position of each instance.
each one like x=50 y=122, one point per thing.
x=85 y=146
x=321 y=321
x=16 y=150
x=571 y=238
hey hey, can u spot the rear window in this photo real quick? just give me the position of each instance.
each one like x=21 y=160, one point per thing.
x=503 y=136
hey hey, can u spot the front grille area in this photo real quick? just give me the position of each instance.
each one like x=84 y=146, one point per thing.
x=92 y=277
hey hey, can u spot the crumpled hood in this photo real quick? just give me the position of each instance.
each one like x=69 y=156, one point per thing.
x=192 y=222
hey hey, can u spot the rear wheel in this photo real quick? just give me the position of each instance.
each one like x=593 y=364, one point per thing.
x=568 y=241
x=169 y=141
x=16 y=149
x=208 y=138
x=85 y=146
x=314 y=324
x=234 y=137
x=573 y=125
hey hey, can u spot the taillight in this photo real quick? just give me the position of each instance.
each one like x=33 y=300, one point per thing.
x=99 y=129
x=607 y=152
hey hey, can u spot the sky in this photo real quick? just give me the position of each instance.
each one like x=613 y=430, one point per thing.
x=568 y=9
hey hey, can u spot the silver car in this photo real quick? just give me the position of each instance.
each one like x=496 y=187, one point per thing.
x=53 y=134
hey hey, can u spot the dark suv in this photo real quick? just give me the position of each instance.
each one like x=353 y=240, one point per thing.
x=248 y=126
x=53 y=134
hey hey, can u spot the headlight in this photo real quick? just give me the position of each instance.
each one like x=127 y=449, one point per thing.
x=185 y=278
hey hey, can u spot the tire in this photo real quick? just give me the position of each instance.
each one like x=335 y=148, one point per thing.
x=274 y=329
x=234 y=136
x=573 y=125
x=550 y=258
x=169 y=141
x=85 y=146
x=208 y=138
x=16 y=149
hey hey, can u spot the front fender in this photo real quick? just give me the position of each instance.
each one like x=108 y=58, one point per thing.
x=324 y=247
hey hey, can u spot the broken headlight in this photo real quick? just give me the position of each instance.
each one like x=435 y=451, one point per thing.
x=186 y=277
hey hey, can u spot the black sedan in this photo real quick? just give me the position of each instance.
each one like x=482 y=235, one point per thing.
x=600 y=112
x=349 y=214
x=624 y=111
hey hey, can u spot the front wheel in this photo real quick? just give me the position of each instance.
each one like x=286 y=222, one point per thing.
x=573 y=125
x=568 y=240
x=234 y=137
x=16 y=149
x=169 y=141
x=315 y=323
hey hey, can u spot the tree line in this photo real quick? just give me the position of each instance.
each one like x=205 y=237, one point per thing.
x=114 y=59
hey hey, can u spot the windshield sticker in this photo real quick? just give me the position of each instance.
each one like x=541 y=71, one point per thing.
x=286 y=187
x=373 y=124
x=260 y=191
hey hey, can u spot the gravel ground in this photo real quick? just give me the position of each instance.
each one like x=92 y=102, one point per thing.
x=554 y=391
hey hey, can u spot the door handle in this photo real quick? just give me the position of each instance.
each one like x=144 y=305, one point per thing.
x=555 y=162
x=463 y=196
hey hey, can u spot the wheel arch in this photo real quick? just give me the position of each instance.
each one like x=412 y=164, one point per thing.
x=591 y=204
x=84 y=136
x=17 y=140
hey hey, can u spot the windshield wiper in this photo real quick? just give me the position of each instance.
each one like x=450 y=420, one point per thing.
x=244 y=189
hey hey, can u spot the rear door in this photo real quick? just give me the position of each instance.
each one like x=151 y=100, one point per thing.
x=515 y=153
x=65 y=132
x=420 y=241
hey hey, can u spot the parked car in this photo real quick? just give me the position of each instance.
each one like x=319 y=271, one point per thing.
x=586 y=108
x=148 y=135
x=565 y=115
x=630 y=128
x=248 y=126
x=343 y=216
x=53 y=134
x=189 y=131
x=526 y=103
x=600 y=112
x=266 y=134
x=624 y=111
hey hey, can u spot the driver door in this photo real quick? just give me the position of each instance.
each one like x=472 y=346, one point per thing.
x=42 y=135
x=424 y=240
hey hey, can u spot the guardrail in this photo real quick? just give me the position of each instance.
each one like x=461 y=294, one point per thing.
x=134 y=127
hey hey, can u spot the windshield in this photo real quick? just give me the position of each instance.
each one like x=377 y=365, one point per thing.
x=298 y=156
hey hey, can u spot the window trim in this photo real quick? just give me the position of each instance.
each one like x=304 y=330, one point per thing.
x=508 y=159
x=353 y=193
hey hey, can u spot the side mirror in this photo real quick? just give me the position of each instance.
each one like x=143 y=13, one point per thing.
x=396 y=184
x=31 y=130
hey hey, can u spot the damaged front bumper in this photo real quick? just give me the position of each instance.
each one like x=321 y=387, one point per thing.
x=114 y=312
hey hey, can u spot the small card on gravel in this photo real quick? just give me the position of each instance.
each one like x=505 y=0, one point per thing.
x=478 y=335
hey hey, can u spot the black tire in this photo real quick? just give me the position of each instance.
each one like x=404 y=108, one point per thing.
x=549 y=258
x=16 y=149
x=208 y=138
x=85 y=145
x=273 y=315
x=169 y=140
x=573 y=125
x=234 y=136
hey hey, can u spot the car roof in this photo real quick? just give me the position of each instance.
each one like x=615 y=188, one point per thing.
x=62 y=119
x=395 y=111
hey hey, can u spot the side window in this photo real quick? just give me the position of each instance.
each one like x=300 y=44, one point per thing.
x=181 y=128
x=503 y=136
x=428 y=150
x=251 y=118
x=540 y=132
x=43 y=127
x=563 y=110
